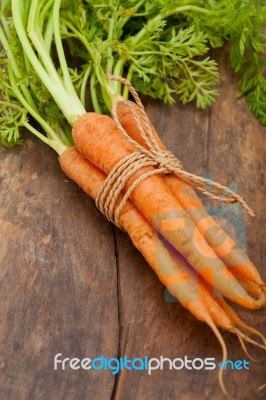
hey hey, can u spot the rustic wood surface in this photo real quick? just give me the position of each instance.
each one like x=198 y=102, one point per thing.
x=73 y=284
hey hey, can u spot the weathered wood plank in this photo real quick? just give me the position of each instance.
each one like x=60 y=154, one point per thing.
x=58 y=281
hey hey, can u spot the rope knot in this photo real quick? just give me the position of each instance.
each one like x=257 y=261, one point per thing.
x=165 y=160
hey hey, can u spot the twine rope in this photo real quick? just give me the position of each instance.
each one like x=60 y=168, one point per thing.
x=164 y=161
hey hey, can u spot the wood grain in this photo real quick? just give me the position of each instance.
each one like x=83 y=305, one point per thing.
x=73 y=284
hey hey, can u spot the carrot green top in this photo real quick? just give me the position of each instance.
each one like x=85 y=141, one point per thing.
x=160 y=46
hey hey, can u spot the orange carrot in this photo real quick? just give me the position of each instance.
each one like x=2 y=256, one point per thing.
x=223 y=245
x=99 y=140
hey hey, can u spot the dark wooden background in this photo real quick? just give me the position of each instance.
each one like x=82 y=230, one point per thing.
x=73 y=284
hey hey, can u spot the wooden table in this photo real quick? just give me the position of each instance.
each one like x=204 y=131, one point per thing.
x=71 y=283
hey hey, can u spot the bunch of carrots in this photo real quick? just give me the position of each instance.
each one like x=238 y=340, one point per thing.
x=220 y=265
x=193 y=259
